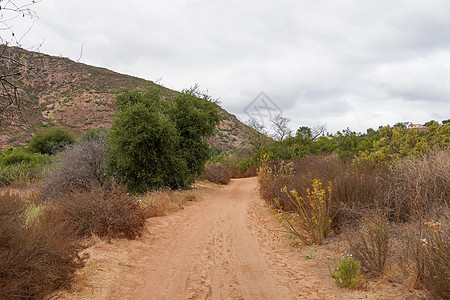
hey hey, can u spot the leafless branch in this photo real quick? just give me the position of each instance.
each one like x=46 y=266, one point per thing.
x=12 y=99
x=281 y=128
x=318 y=130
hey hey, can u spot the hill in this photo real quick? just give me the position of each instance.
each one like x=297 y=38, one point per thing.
x=79 y=97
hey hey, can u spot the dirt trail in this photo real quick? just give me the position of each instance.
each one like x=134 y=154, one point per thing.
x=219 y=248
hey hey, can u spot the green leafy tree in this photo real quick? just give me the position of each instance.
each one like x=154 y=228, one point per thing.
x=324 y=145
x=371 y=132
x=402 y=125
x=156 y=142
x=429 y=123
x=304 y=132
x=195 y=116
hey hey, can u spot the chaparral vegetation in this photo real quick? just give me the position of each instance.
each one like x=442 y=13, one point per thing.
x=58 y=191
x=385 y=193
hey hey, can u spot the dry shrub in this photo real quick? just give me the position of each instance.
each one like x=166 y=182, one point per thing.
x=421 y=249
x=354 y=186
x=38 y=258
x=435 y=250
x=216 y=173
x=80 y=167
x=236 y=172
x=162 y=202
x=427 y=253
x=103 y=212
x=357 y=188
x=419 y=185
x=409 y=189
x=370 y=245
x=273 y=178
x=250 y=172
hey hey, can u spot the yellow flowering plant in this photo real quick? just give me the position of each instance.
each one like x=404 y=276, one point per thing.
x=312 y=216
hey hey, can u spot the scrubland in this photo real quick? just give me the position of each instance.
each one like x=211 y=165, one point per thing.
x=393 y=218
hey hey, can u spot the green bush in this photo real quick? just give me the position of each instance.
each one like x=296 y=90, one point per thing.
x=347 y=272
x=11 y=173
x=12 y=156
x=51 y=141
x=20 y=164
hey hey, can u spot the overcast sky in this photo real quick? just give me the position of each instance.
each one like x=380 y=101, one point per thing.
x=356 y=63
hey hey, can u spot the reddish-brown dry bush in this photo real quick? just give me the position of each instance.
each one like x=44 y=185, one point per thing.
x=103 y=212
x=236 y=172
x=250 y=172
x=217 y=174
x=37 y=257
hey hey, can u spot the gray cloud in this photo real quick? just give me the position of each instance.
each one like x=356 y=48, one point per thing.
x=344 y=62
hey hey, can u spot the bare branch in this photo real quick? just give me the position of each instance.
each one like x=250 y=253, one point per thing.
x=280 y=126
x=318 y=130
x=13 y=100
x=256 y=136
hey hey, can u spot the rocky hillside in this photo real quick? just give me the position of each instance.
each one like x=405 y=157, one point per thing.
x=80 y=97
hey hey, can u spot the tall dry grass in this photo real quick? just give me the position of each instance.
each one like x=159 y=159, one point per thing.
x=418 y=186
x=273 y=179
x=165 y=201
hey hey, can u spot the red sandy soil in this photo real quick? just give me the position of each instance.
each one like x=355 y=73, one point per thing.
x=222 y=247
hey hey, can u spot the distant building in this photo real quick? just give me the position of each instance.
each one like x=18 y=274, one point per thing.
x=319 y=137
x=417 y=127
